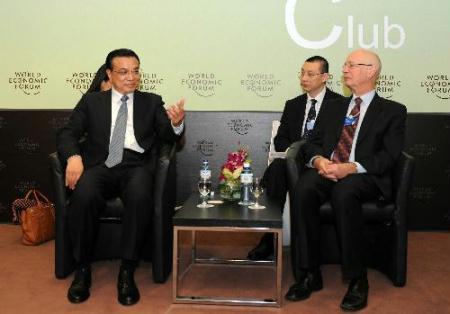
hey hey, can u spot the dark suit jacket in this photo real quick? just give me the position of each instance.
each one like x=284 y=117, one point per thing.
x=290 y=129
x=92 y=118
x=380 y=139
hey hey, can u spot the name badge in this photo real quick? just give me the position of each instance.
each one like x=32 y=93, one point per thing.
x=310 y=124
x=349 y=121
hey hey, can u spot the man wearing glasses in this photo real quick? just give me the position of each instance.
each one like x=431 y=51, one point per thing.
x=350 y=156
x=297 y=122
x=122 y=127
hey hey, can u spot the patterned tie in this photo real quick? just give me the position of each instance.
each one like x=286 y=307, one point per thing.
x=342 y=151
x=118 y=137
x=311 y=117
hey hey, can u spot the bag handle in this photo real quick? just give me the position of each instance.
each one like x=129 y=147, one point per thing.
x=43 y=197
x=27 y=196
x=40 y=199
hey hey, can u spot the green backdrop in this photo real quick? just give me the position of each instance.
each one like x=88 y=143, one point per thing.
x=221 y=55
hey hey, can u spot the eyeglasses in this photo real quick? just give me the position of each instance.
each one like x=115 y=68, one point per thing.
x=307 y=74
x=124 y=73
x=351 y=65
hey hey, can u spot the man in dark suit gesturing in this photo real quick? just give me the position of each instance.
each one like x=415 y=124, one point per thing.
x=350 y=153
x=296 y=123
x=123 y=128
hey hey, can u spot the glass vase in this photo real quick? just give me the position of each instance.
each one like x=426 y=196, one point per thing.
x=230 y=190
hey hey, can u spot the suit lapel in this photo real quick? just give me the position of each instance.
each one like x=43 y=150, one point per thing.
x=339 y=116
x=138 y=111
x=301 y=108
x=298 y=116
x=369 y=118
x=104 y=110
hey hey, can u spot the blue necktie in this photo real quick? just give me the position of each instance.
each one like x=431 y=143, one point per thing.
x=118 y=137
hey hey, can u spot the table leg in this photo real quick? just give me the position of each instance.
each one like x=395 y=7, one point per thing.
x=279 y=257
x=179 y=274
x=175 y=265
x=193 y=246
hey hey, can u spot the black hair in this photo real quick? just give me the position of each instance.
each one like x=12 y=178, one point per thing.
x=122 y=52
x=99 y=77
x=323 y=63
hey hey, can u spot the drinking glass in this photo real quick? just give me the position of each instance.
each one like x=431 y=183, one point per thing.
x=257 y=189
x=204 y=187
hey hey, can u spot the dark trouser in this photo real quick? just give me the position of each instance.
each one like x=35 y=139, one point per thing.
x=275 y=181
x=346 y=197
x=133 y=183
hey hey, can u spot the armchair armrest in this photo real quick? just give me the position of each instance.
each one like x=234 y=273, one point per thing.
x=57 y=175
x=403 y=174
x=402 y=180
x=64 y=264
x=164 y=204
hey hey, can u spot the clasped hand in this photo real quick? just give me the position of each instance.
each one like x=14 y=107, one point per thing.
x=333 y=171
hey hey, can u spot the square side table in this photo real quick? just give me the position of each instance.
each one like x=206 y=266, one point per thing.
x=227 y=217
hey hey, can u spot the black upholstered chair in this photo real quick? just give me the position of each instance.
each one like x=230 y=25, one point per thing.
x=385 y=229
x=158 y=246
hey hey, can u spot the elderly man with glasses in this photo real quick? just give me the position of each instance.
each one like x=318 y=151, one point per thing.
x=350 y=156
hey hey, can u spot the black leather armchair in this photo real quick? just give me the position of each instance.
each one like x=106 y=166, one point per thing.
x=158 y=246
x=385 y=223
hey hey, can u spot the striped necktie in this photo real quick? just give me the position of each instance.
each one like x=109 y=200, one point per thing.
x=118 y=137
x=342 y=151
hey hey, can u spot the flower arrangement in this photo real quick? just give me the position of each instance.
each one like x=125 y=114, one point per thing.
x=229 y=186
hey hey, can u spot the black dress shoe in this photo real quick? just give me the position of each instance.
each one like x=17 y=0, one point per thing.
x=79 y=289
x=128 y=293
x=263 y=250
x=356 y=297
x=301 y=290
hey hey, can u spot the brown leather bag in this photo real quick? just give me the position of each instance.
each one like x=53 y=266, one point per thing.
x=38 y=221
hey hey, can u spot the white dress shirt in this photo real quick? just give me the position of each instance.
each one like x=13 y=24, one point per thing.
x=319 y=97
x=130 y=139
x=366 y=100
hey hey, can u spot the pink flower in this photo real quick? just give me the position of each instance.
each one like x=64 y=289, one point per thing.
x=232 y=168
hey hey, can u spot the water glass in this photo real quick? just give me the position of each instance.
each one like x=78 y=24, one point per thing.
x=204 y=188
x=256 y=189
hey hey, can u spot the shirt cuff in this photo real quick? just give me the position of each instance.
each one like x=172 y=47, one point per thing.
x=310 y=164
x=359 y=168
x=178 y=129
